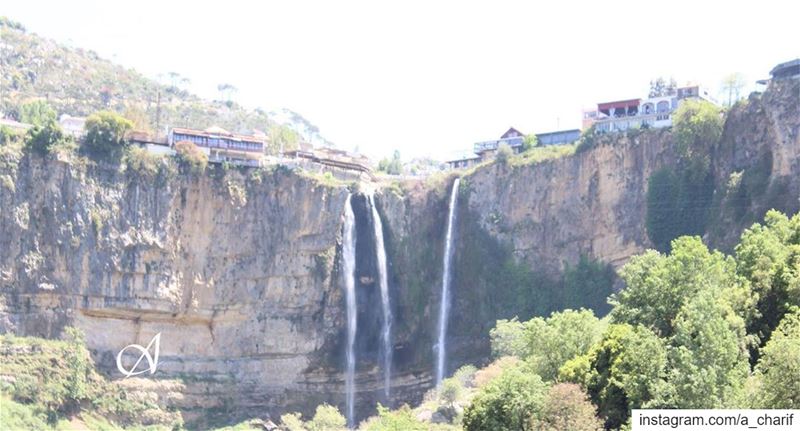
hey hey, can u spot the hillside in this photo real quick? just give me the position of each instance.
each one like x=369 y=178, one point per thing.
x=78 y=82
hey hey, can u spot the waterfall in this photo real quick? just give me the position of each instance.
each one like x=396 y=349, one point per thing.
x=349 y=272
x=386 y=330
x=444 y=309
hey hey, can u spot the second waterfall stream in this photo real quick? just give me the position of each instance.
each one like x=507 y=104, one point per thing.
x=383 y=278
x=444 y=307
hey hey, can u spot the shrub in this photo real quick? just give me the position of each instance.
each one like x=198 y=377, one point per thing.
x=553 y=341
x=485 y=375
x=508 y=339
x=504 y=153
x=37 y=113
x=105 y=135
x=140 y=161
x=506 y=403
x=588 y=140
x=466 y=375
x=190 y=156
x=529 y=142
x=779 y=366
x=697 y=126
x=326 y=418
x=450 y=391
x=619 y=372
x=566 y=407
x=292 y=422
x=9 y=135
x=42 y=139
x=400 y=419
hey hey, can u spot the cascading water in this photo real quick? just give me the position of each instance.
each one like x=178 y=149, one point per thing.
x=444 y=309
x=386 y=331
x=349 y=272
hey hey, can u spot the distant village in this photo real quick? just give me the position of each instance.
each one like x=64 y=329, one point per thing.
x=222 y=146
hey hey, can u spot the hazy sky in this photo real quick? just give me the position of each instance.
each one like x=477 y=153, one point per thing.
x=427 y=78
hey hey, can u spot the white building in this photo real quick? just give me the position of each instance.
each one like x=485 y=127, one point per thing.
x=654 y=112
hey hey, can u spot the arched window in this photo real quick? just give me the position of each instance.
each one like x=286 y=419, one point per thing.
x=663 y=106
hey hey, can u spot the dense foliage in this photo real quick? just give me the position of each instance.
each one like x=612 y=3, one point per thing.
x=190 y=156
x=50 y=381
x=105 y=135
x=682 y=334
x=42 y=139
x=37 y=113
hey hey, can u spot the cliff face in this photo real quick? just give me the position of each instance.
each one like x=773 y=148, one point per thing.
x=235 y=272
x=239 y=270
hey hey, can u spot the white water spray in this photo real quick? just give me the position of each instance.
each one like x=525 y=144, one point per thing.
x=349 y=272
x=444 y=309
x=386 y=331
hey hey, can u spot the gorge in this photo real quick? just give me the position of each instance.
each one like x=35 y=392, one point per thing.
x=276 y=290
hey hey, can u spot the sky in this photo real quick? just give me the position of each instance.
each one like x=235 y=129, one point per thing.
x=427 y=78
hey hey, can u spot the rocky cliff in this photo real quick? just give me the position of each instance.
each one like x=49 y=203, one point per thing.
x=239 y=269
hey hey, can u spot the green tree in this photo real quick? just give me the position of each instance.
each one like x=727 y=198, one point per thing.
x=679 y=198
x=530 y=141
x=282 y=139
x=504 y=153
x=708 y=359
x=553 y=341
x=506 y=403
x=393 y=166
x=697 y=127
x=658 y=286
x=43 y=138
x=450 y=391
x=466 y=375
x=566 y=407
x=779 y=366
x=508 y=339
x=401 y=419
x=327 y=418
x=191 y=157
x=37 y=113
x=292 y=422
x=9 y=135
x=105 y=135
x=79 y=364
x=768 y=255
x=620 y=372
